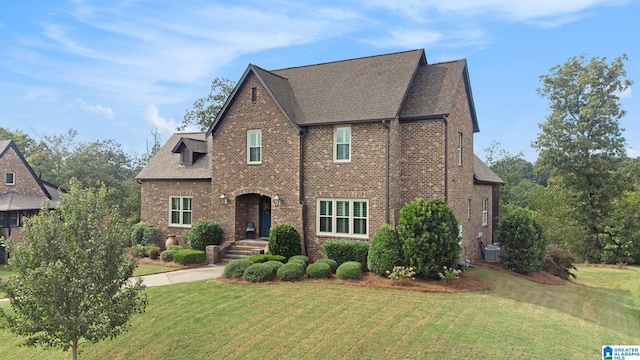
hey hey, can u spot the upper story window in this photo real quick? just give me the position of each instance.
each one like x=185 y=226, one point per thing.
x=180 y=211
x=459 y=148
x=254 y=146
x=10 y=178
x=254 y=94
x=485 y=212
x=186 y=157
x=343 y=217
x=342 y=143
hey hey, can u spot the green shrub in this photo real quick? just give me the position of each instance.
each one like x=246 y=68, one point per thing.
x=300 y=257
x=153 y=251
x=332 y=263
x=261 y=258
x=274 y=265
x=428 y=232
x=152 y=235
x=185 y=257
x=202 y=234
x=175 y=247
x=290 y=271
x=346 y=250
x=258 y=272
x=235 y=268
x=350 y=270
x=522 y=241
x=284 y=240
x=559 y=263
x=137 y=233
x=298 y=261
x=138 y=251
x=384 y=251
x=319 y=270
x=167 y=255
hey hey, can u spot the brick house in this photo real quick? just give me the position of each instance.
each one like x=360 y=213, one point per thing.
x=22 y=193
x=334 y=149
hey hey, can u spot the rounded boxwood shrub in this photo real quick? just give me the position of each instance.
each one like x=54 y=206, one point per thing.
x=152 y=235
x=258 y=272
x=342 y=250
x=290 y=271
x=284 y=240
x=235 y=268
x=305 y=259
x=384 y=252
x=428 y=232
x=319 y=270
x=332 y=263
x=261 y=258
x=175 y=247
x=167 y=255
x=522 y=241
x=274 y=265
x=350 y=270
x=298 y=261
x=138 y=251
x=202 y=234
x=137 y=233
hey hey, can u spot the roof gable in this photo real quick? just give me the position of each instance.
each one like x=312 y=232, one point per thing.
x=165 y=164
x=5 y=145
x=482 y=174
x=194 y=145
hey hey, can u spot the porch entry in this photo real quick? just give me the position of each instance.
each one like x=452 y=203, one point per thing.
x=265 y=216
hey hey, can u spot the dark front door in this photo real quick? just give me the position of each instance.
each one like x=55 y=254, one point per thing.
x=265 y=216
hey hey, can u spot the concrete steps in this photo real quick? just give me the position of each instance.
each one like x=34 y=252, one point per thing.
x=243 y=248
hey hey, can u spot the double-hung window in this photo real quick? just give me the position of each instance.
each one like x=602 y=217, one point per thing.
x=343 y=217
x=254 y=146
x=342 y=143
x=10 y=178
x=14 y=218
x=180 y=211
x=459 y=148
x=485 y=212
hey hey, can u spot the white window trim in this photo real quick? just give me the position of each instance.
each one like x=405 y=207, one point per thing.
x=13 y=177
x=335 y=143
x=459 y=148
x=485 y=212
x=249 y=133
x=181 y=211
x=334 y=217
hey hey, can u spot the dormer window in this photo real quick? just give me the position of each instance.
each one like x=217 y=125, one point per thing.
x=254 y=94
x=186 y=157
x=10 y=178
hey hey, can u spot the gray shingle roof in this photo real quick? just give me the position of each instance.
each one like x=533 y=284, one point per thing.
x=196 y=146
x=11 y=201
x=483 y=174
x=166 y=164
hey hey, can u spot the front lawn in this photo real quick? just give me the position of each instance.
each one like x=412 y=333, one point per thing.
x=150 y=269
x=518 y=319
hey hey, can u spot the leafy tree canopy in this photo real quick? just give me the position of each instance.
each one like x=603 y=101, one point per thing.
x=206 y=108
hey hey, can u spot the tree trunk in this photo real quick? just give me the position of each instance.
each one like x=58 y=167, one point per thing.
x=74 y=349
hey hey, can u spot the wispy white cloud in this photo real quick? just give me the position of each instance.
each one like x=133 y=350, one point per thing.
x=165 y=127
x=408 y=39
x=626 y=94
x=96 y=109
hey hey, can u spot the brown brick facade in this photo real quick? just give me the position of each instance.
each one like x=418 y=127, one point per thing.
x=25 y=183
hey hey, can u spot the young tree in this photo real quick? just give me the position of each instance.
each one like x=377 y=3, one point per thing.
x=581 y=140
x=206 y=108
x=71 y=274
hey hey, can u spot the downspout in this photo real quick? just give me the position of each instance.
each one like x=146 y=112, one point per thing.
x=446 y=158
x=388 y=127
x=302 y=133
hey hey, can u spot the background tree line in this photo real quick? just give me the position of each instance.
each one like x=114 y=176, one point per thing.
x=583 y=188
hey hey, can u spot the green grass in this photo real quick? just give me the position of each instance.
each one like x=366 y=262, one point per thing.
x=150 y=269
x=518 y=319
x=4 y=271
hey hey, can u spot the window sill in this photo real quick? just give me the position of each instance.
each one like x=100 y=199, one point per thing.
x=342 y=236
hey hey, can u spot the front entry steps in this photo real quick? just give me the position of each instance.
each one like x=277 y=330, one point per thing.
x=243 y=248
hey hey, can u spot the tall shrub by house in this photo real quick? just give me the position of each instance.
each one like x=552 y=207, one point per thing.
x=384 y=252
x=523 y=244
x=342 y=250
x=285 y=240
x=202 y=234
x=428 y=232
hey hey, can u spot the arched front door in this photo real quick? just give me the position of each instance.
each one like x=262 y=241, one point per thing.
x=265 y=216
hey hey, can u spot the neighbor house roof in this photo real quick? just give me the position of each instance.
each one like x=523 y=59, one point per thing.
x=482 y=174
x=48 y=189
x=12 y=201
x=165 y=164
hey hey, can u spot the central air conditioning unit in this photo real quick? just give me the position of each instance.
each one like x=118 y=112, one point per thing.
x=492 y=253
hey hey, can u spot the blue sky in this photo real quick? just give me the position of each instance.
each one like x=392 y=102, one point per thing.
x=115 y=69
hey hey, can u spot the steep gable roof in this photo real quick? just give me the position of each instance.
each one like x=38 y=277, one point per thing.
x=483 y=174
x=5 y=145
x=433 y=91
x=362 y=89
x=196 y=146
x=165 y=164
